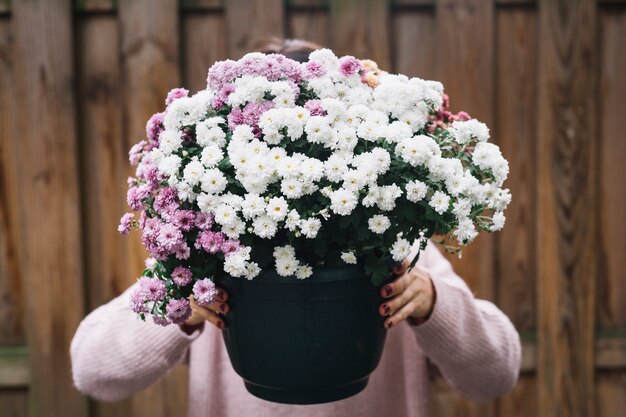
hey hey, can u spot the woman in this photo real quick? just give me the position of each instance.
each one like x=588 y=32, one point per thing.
x=434 y=322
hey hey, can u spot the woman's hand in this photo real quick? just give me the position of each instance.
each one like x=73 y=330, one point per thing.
x=212 y=313
x=411 y=295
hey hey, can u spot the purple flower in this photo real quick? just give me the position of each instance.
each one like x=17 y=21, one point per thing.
x=210 y=242
x=222 y=95
x=125 y=223
x=135 y=195
x=204 y=292
x=314 y=69
x=349 y=65
x=175 y=94
x=166 y=198
x=182 y=251
x=154 y=127
x=204 y=221
x=136 y=152
x=182 y=276
x=137 y=301
x=161 y=321
x=315 y=108
x=152 y=288
x=178 y=310
x=169 y=236
x=230 y=246
x=183 y=219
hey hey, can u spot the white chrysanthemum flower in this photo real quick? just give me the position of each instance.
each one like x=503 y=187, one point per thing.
x=208 y=132
x=252 y=270
x=310 y=227
x=252 y=205
x=349 y=257
x=183 y=112
x=170 y=141
x=416 y=191
x=334 y=168
x=379 y=224
x=277 y=208
x=354 y=180
x=225 y=215
x=213 y=181
x=286 y=267
x=463 y=131
x=465 y=231
x=312 y=169
x=211 y=155
x=304 y=271
x=236 y=264
x=401 y=249
x=234 y=229
x=345 y=138
x=387 y=196
x=292 y=222
x=318 y=130
x=498 y=219
x=243 y=133
x=264 y=227
x=343 y=201
x=440 y=202
x=291 y=188
x=462 y=208
x=417 y=151
x=193 y=172
x=170 y=165
x=372 y=196
x=284 y=252
x=185 y=191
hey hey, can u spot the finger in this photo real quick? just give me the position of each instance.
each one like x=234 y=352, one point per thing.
x=220 y=308
x=401 y=314
x=210 y=316
x=393 y=305
x=399 y=269
x=397 y=286
x=222 y=295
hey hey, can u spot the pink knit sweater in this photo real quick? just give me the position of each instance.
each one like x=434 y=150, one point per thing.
x=471 y=342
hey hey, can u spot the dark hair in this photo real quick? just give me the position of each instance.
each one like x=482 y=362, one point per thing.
x=296 y=49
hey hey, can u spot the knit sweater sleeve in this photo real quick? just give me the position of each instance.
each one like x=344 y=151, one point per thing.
x=473 y=343
x=115 y=354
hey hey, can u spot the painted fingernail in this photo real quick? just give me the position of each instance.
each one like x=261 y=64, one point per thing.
x=220 y=295
x=386 y=309
x=222 y=307
x=389 y=324
x=388 y=290
x=220 y=324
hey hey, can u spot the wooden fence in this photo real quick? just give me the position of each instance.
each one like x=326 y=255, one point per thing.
x=78 y=80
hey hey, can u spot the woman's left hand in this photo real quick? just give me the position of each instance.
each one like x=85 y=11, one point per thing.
x=411 y=295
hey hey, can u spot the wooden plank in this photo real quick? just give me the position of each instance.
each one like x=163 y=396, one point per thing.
x=250 y=24
x=148 y=31
x=567 y=205
x=203 y=44
x=465 y=32
x=12 y=330
x=610 y=390
x=522 y=400
x=415 y=43
x=50 y=231
x=14 y=367
x=515 y=133
x=104 y=169
x=361 y=28
x=14 y=403
x=311 y=25
x=307 y=4
x=611 y=308
x=413 y=3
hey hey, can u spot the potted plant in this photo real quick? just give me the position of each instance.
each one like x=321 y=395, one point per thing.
x=294 y=187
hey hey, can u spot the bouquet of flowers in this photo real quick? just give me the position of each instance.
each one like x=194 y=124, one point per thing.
x=291 y=166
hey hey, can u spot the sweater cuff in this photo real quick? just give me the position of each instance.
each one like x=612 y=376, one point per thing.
x=435 y=331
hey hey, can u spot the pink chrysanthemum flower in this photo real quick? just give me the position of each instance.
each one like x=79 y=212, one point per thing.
x=204 y=221
x=154 y=127
x=175 y=94
x=183 y=219
x=182 y=276
x=161 y=321
x=137 y=301
x=210 y=242
x=204 y=292
x=125 y=223
x=169 y=236
x=349 y=65
x=178 y=310
x=152 y=288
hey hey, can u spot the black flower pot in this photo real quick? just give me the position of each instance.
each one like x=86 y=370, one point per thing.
x=304 y=341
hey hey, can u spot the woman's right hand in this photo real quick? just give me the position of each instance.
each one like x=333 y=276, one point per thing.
x=212 y=313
